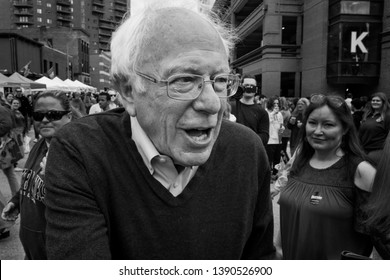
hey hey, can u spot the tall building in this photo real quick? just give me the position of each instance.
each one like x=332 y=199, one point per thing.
x=81 y=29
x=300 y=47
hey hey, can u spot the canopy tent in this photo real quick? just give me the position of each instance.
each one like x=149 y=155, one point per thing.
x=52 y=85
x=86 y=87
x=61 y=82
x=70 y=83
x=33 y=85
x=10 y=82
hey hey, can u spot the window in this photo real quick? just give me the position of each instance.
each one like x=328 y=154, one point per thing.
x=287 y=84
x=39 y=19
x=346 y=57
x=39 y=11
x=45 y=65
x=23 y=19
x=355 y=7
x=48 y=5
x=289 y=30
x=39 y=2
x=49 y=21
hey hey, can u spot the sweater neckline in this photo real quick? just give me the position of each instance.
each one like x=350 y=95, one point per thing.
x=154 y=184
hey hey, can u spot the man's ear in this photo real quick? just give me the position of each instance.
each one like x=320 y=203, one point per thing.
x=128 y=103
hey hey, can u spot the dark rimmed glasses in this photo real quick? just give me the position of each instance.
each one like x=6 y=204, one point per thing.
x=336 y=101
x=190 y=86
x=50 y=115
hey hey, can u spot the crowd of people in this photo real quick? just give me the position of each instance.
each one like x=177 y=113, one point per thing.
x=21 y=109
x=183 y=168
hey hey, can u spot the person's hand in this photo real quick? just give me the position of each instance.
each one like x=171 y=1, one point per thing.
x=10 y=212
x=274 y=192
x=43 y=166
x=282 y=128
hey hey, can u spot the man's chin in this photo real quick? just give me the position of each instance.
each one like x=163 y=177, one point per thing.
x=192 y=158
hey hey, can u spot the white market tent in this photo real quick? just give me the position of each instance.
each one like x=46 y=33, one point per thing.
x=84 y=86
x=67 y=85
x=72 y=84
x=61 y=82
x=52 y=85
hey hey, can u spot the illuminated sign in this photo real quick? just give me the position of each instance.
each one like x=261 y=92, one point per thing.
x=358 y=42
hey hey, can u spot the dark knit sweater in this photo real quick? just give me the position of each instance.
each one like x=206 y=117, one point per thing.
x=103 y=203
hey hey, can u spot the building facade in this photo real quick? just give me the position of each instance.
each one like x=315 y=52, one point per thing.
x=78 y=28
x=17 y=51
x=300 y=47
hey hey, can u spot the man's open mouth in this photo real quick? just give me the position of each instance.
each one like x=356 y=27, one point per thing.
x=198 y=134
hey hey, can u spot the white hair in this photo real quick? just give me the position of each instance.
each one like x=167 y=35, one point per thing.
x=129 y=40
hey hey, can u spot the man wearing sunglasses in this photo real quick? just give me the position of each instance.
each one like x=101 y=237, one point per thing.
x=248 y=112
x=165 y=177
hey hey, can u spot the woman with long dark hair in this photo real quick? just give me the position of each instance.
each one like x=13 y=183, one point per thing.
x=318 y=205
x=295 y=122
x=375 y=126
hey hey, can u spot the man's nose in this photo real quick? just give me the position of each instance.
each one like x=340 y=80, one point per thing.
x=208 y=101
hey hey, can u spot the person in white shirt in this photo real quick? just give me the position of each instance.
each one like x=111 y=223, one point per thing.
x=276 y=128
x=104 y=104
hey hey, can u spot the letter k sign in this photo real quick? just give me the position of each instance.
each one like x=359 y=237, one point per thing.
x=357 y=42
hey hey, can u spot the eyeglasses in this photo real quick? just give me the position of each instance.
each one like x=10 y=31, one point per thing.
x=190 y=86
x=50 y=115
x=336 y=101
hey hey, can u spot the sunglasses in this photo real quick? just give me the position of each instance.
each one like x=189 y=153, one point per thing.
x=50 y=115
x=336 y=101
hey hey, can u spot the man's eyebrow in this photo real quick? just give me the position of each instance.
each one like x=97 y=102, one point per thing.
x=193 y=69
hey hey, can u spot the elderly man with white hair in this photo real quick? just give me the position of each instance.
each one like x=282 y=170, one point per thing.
x=164 y=177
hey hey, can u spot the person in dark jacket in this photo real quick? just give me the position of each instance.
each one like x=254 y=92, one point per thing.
x=295 y=122
x=378 y=206
x=248 y=112
x=357 y=112
x=375 y=126
x=51 y=112
x=25 y=108
x=164 y=177
x=6 y=123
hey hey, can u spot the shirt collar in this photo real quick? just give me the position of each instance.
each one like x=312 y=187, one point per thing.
x=144 y=145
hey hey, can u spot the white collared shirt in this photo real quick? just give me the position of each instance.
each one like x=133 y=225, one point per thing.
x=161 y=167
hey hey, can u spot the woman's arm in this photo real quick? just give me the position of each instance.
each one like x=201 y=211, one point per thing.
x=364 y=176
